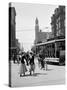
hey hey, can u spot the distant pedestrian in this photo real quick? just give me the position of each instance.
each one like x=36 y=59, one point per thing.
x=42 y=61
x=14 y=57
x=23 y=68
x=32 y=64
x=39 y=61
x=18 y=59
x=46 y=67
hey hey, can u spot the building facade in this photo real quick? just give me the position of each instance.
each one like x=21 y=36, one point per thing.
x=12 y=27
x=55 y=45
x=58 y=22
x=58 y=33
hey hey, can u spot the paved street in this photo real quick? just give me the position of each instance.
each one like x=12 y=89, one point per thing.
x=54 y=75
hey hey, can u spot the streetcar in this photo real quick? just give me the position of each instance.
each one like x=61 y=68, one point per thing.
x=53 y=50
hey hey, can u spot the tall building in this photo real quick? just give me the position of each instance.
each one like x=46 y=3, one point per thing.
x=17 y=45
x=12 y=26
x=39 y=35
x=36 y=30
x=58 y=22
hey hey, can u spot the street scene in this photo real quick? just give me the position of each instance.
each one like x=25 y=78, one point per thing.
x=54 y=75
x=36 y=44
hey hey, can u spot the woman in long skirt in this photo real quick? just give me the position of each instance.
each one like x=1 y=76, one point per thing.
x=23 y=68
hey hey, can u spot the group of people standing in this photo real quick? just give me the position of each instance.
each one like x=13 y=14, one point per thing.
x=27 y=60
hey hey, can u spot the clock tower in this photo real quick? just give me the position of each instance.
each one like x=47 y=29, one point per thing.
x=36 y=30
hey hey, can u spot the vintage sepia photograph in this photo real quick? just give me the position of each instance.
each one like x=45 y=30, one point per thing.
x=36 y=44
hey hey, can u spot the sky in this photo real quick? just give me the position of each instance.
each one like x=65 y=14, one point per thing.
x=26 y=14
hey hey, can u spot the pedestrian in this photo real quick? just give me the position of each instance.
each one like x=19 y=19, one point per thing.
x=42 y=64
x=41 y=60
x=18 y=59
x=14 y=57
x=46 y=67
x=23 y=68
x=32 y=64
x=27 y=58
